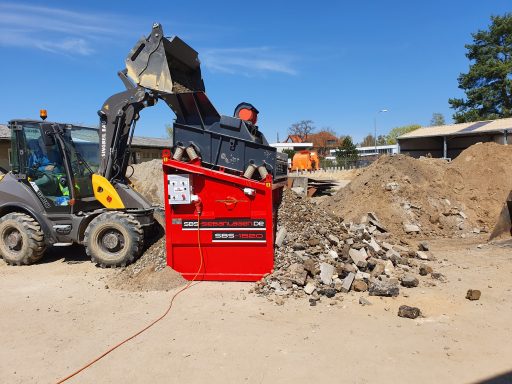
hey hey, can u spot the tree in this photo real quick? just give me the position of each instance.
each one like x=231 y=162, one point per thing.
x=289 y=152
x=437 y=119
x=368 y=141
x=399 y=131
x=169 y=130
x=488 y=84
x=382 y=140
x=302 y=129
x=347 y=152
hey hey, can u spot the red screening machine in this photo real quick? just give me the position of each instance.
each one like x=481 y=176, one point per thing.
x=219 y=226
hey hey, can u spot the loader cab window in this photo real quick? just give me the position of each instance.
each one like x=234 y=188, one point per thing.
x=82 y=148
x=44 y=167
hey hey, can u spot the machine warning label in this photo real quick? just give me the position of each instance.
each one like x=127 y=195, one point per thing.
x=236 y=237
x=232 y=224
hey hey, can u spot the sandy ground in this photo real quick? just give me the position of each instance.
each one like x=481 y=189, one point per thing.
x=57 y=315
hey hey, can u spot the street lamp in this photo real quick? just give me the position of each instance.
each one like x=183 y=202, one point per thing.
x=375 y=129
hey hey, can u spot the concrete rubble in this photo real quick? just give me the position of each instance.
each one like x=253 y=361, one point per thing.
x=321 y=256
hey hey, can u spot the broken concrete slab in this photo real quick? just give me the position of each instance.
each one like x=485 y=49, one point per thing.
x=347 y=282
x=326 y=272
x=383 y=288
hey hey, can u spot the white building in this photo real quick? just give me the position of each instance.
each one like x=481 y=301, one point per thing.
x=370 y=151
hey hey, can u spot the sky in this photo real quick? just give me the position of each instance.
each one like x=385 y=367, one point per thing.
x=336 y=63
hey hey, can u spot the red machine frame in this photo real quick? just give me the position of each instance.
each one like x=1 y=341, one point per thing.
x=237 y=219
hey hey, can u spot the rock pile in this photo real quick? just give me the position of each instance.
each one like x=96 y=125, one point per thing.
x=318 y=255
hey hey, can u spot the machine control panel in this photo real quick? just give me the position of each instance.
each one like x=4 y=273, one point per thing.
x=179 y=189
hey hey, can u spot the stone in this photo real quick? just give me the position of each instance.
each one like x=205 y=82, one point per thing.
x=309 y=288
x=333 y=254
x=309 y=266
x=473 y=294
x=328 y=292
x=423 y=246
x=425 y=269
x=275 y=285
x=383 y=288
x=411 y=228
x=333 y=240
x=347 y=282
x=298 y=190
x=360 y=286
x=313 y=242
x=280 y=237
x=438 y=276
x=349 y=268
x=358 y=255
x=393 y=186
x=299 y=246
x=386 y=246
x=410 y=281
x=298 y=274
x=422 y=255
x=326 y=272
x=378 y=270
x=373 y=245
x=391 y=253
x=388 y=268
x=408 y=312
x=362 y=275
x=363 y=301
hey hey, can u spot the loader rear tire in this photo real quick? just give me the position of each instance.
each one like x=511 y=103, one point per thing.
x=21 y=239
x=114 y=239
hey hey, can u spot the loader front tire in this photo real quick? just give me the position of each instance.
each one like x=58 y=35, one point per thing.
x=113 y=239
x=21 y=239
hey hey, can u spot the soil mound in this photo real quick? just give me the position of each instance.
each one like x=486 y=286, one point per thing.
x=436 y=197
x=149 y=273
x=148 y=180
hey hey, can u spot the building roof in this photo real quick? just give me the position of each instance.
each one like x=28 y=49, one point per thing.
x=475 y=127
x=293 y=139
x=291 y=145
x=138 y=141
x=151 y=142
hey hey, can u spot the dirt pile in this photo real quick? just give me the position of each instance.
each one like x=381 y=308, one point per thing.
x=149 y=273
x=148 y=180
x=318 y=256
x=431 y=197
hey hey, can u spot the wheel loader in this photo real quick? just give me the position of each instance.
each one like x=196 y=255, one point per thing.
x=68 y=184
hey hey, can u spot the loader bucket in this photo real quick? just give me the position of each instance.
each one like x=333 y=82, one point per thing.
x=166 y=65
x=504 y=224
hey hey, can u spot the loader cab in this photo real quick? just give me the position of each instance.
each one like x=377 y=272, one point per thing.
x=56 y=161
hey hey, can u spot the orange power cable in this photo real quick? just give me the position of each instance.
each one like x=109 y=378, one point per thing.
x=111 y=349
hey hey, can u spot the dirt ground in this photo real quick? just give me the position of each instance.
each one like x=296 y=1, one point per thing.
x=58 y=315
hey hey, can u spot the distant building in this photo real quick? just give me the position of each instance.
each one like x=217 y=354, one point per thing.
x=5 y=145
x=322 y=141
x=448 y=141
x=143 y=148
x=381 y=150
x=369 y=153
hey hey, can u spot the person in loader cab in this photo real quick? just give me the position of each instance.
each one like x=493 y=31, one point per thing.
x=39 y=160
